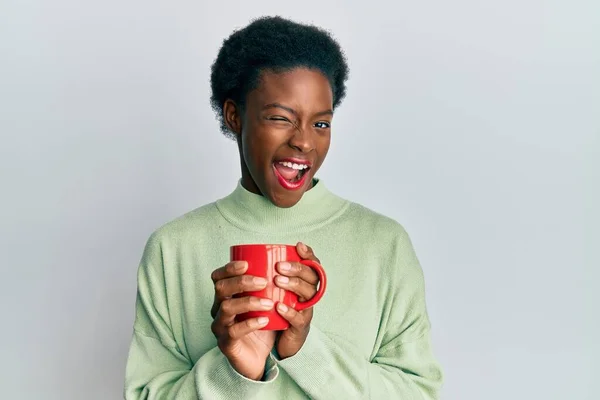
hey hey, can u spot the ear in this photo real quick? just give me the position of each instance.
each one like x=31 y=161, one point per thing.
x=232 y=117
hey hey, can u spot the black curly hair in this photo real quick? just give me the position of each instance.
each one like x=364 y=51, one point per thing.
x=278 y=45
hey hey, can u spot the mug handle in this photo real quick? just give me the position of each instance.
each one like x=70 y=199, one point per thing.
x=322 y=285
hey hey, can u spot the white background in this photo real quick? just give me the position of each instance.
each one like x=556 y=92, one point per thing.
x=475 y=124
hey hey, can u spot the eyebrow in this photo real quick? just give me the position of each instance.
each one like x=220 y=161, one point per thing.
x=292 y=111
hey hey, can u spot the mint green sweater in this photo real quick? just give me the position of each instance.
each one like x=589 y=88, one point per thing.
x=370 y=333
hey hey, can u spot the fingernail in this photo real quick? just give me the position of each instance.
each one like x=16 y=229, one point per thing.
x=266 y=303
x=282 y=307
x=286 y=266
x=241 y=265
x=259 y=281
x=262 y=320
x=303 y=247
x=283 y=279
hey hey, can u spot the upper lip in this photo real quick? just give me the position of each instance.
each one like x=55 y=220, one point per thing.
x=295 y=161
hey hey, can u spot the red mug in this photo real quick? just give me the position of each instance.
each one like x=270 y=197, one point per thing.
x=262 y=260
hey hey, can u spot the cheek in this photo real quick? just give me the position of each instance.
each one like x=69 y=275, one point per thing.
x=248 y=149
x=323 y=147
x=254 y=149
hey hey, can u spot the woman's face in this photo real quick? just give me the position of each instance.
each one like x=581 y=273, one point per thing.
x=284 y=133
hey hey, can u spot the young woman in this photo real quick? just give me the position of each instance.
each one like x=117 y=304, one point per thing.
x=275 y=86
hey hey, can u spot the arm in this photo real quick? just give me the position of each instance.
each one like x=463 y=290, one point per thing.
x=327 y=368
x=403 y=366
x=157 y=368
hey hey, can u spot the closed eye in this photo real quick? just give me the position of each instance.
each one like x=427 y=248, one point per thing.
x=278 y=118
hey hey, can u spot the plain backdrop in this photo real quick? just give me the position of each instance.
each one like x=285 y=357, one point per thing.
x=475 y=124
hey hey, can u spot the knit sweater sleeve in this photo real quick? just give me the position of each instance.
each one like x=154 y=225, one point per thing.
x=403 y=366
x=159 y=368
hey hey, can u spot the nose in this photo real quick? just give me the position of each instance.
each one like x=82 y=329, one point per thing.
x=302 y=140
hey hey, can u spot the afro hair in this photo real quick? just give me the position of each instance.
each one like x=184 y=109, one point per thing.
x=273 y=44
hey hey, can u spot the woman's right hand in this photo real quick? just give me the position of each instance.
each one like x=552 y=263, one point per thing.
x=243 y=343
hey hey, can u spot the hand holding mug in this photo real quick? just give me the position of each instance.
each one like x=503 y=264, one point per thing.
x=296 y=281
x=302 y=280
x=246 y=290
x=242 y=342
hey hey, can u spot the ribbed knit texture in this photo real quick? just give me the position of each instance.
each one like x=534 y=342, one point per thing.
x=369 y=337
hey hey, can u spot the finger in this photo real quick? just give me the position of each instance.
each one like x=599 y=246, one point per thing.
x=226 y=288
x=305 y=290
x=229 y=270
x=297 y=320
x=240 y=329
x=215 y=307
x=306 y=252
x=232 y=307
x=300 y=270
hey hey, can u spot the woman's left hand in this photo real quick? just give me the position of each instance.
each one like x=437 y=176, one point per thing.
x=302 y=280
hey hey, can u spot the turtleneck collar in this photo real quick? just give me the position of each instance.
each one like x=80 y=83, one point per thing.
x=253 y=212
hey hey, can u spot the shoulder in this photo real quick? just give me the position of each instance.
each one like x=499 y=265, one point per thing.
x=192 y=225
x=375 y=223
x=383 y=236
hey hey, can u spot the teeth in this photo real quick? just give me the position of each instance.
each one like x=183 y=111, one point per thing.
x=293 y=165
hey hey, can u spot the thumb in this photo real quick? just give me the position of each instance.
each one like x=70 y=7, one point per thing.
x=306 y=252
x=303 y=249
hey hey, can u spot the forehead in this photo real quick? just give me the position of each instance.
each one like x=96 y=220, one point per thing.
x=301 y=88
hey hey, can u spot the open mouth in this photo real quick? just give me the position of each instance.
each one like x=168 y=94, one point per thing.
x=291 y=175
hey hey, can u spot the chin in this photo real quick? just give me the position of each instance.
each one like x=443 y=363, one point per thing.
x=281 y=193
x=282 y=197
